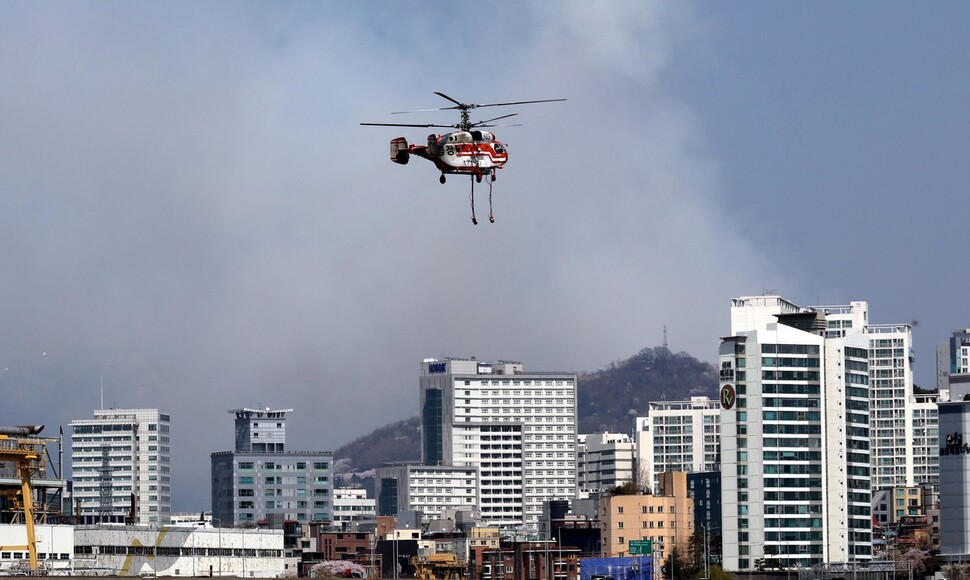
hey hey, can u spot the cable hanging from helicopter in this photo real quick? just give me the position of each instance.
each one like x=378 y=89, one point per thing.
x=469 y=150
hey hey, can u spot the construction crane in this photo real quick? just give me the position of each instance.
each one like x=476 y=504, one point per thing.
x=21 y=447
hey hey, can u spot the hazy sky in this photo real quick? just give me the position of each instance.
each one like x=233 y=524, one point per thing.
x=190 y=209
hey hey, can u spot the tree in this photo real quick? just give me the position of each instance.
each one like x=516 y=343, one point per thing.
x=679 y=565
x=921 y=562
x=337 y=569
x=625 y=488
x=696 y=552
x=718 y=573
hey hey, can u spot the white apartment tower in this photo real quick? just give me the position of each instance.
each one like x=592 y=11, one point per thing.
x=518 y=428
x=903 y=423
x=605 y=460
x=678 y=436
x=795 y=462
x=121 y=465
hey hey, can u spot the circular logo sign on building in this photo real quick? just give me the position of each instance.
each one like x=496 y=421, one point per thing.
x=728 y=397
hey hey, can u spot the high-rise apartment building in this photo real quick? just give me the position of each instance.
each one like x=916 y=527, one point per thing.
x=518 y=428
x=795 y=462
x=121 y=466
x=678 y=436
x=605 y=460
x=262 y=481
x=903 y=422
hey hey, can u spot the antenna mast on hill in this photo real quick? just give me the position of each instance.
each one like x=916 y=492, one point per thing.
x=665 y=336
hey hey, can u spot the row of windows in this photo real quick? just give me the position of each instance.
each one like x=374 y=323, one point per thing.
x=177 y=551
x=274 y=466
x=40 y=556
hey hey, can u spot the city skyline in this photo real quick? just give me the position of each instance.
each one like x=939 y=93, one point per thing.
x=190 y=209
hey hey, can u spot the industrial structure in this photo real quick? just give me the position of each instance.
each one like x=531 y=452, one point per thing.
x=27 y=494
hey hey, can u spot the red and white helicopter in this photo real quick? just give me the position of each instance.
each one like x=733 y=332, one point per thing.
x=467 y=151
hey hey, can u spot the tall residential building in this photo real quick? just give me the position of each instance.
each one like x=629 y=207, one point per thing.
x=903 y=422
x=121 y=466
x=605 y=460
x=262 y=481
x=678 y=436
x=795 y=462
x=518 y=428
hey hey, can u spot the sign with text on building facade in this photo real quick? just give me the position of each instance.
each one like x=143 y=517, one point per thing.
x=728 y=397
x=638 y=547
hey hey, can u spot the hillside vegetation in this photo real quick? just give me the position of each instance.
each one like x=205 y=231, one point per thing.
x=609 y=399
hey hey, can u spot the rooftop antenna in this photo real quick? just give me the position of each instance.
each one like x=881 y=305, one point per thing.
x=665 y=336
x=102 y=392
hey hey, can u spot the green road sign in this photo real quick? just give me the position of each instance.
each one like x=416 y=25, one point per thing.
x=641 y=547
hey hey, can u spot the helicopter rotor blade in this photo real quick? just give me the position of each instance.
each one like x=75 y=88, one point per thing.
x=502 y=125
x=482 y=123
x=423 y=110
x=408 y=125
x=518 y=103
x=460 y=105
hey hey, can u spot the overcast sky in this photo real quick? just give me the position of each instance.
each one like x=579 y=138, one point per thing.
x=190 y=209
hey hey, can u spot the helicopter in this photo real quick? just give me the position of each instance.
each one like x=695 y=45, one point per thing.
x=467 y=151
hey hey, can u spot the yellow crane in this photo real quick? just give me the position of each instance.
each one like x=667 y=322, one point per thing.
x=27 y=453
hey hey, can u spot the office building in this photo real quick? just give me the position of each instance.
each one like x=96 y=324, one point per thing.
x=352 y=507
x=955 y=479
x=431 y=490
x=795 y=462
x=605 y=460
x=678 y=436
x=262 y=482
x=518 y=428
x=121 y=466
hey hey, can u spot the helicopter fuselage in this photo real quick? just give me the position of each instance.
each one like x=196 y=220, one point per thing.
x=472 y=152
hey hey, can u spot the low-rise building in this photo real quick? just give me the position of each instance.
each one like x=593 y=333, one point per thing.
x=667 y=519
x=116 y=550
x=605 y=460
x=55 y=548
x=352 y=507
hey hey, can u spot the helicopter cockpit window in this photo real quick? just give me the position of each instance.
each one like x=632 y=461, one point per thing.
x=498 y=148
